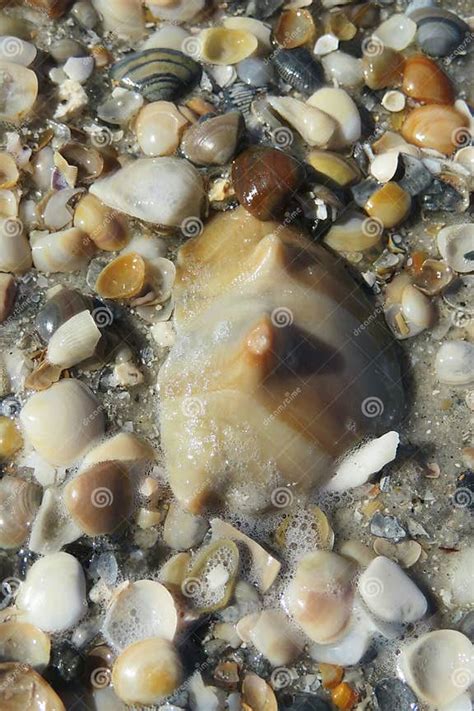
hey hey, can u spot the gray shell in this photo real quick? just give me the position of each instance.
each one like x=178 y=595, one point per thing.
x=298 y=68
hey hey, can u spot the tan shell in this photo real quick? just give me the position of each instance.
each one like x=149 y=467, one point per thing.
x=66 y=251
x=257 y=694
x=107 y=228
x=8 y=171
x=25 y=643
x=123 y=278
x=221 y=45
x=22 y=688
x=294 y=28
x=18 y=92
x=19 y=503
x=123 y=447
x=159 y=127
x=146 y=672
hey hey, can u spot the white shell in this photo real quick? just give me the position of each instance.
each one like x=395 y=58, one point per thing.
x=338 y=104
x=183 y=530
x=53 y=527
x=439 y=666
x=265 y=567
x=177 y=11
x=417 y=309
x=256 y=27
x=384 y=166
x=159 y=127
x=15 y=252
x=124 y=447
x=53 y=596
x=25 y=643
x=456 y=245
x=17 y=51
x=390 y=594
x=65 y=251
x=43 y=166
x=167 y=37
x=320 y=596
x=79 y=68
x=350 y=649
x=63 y=421
x=140 y=610
x=394 y=101
x=398 y=32
x=326 y=44
x=74 y=341
x=57 y=213
x=18 y=91
x=316 y=127
x=343 y=69
x=125 y=18
x=454 y=363
x=360 y=465
x=272 y=634
x=165 y=191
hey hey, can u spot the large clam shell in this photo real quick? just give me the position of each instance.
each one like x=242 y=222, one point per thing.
x=158 y=74
x=247 y=292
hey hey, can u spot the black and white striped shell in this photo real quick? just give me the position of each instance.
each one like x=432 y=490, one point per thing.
x=158 y=74
x=298 y=68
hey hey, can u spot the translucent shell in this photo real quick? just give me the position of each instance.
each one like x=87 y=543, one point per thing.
x=221 y=45
x=123 y=278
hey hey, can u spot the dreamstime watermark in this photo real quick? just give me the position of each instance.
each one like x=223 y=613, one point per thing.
x=286 y=402
x=192 y=407
x=372 y=407
x=281 y=317
x=192 y=227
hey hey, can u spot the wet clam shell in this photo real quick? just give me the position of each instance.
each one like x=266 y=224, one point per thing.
x=8 y=291
x=60 y=307
x=53 y=595
x=294 y=28
x=454 y=363
x=123 y=447
x=159 y=127
x=107 y=228
x=63 y=422
x=125 y=18
x=176 y=10
x=158 y=74
x=19 y=502
x=24 y=643
x=211 y=577
x=8 y=171
x=440 y=32
x=343 y=109
x=23 y=688
x=316 y=127
x=147 y=672
x=214 y=142
x=390 y=594
x=273 y=635
x=223 y=46
x=299 y=68
x=436 y=126
x=398 y=32
x=425 y=81
x=74 y=341
x=69 y=250
x=343 y=69
x=390 y=204
x=18 y=92
x=456 y=246
x=383 y=69
x=123 y=278
x=343 y=171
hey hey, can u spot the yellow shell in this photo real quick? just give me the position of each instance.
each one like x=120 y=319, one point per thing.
x=123 y=278
x=220 y=45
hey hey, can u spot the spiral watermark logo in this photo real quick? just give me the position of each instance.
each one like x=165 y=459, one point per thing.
x=102 y=497
x=462 y=678
x=282 y=317
x=192 y=46
x=280 y=678
x=282 y=137
x=101 y=137
x=371 y=587
x=101 y=677
x=372 y=227
x=10 y=48
x=192 y=227
x=9 y=589
x=372 y=46
x=191 y=587
x=282 y=497
x=102 y=316
x=193 y=407
x=12 y=227
x=461 y=137
x=372 y=407
x=463 y=498
x=10 y=407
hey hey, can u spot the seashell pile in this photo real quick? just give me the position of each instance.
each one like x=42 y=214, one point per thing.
x=236 y=355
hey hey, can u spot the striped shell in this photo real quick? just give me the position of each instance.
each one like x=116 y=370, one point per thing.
x=158 y=74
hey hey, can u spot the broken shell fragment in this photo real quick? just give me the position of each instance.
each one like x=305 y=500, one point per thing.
x=66 y=251
x=158 y=74
x=53 y=595
x=398 y=32
x=455 y=244
x=264 y=566
x=63 y=422
x=273 y=635
x=8 y=291
x=223 y=46
x=383 y=68
x=10 y=438
x=343 y=109
x=159 y=127
x=215 y=141
x=139 y=610
x=264 y=181
x=123 y=447
x=434 y=126
x=390 y=594
x=343 y=171
x=146 y=672
x=353 y=232
x=183 y=530
x=74 y=341
x=343 y=69
x=19 y=502
x=438 y=666
x=22 y=642
x=100 y=499
x=167 y=191
x=257 y=694
x=123 y=278
x=175 y=10
x=23 y=688
x=211 y=577
x=454 y=363
x=320 y=596
x=18 y=92
x=316 y=127
x=107 y=228
x=52 y=528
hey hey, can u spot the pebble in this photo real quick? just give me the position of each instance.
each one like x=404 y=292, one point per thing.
x=390 y=204
x=454 y=363
x=338 y=104
x=393 y=695
x=344 y=171
x=456 y=246
x=398 y=32
x=294 y=28
x=390 y=594
x=435 y=126
x=159 y=127
x=368 y=459
x=425 y=81
x=53 y=595
x=325 y=44
x=23 y=688
x=386 y=527
x=84 y=13
x=121 y=107
x=343 y=69
x=394 y=101
x=79 y=68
